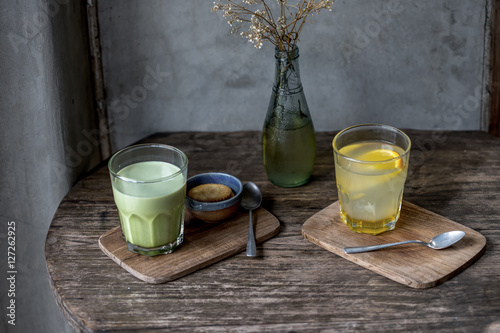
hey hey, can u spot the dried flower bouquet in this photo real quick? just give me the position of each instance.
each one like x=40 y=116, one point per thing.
x=264 y=23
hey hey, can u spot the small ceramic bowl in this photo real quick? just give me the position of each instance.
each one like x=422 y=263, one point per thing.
x=212 y=212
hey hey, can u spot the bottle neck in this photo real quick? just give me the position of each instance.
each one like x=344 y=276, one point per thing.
x=287 y=73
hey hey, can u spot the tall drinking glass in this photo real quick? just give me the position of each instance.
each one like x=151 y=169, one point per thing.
x=149 y=187
x=371 y=165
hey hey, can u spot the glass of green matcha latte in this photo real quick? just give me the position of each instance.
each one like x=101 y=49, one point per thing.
x=149 y=188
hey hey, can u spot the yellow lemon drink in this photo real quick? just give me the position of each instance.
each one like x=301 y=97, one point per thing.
x=370 y=177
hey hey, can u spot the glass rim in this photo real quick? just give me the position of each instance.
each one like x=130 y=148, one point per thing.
x=392 y=128
x=148 y=145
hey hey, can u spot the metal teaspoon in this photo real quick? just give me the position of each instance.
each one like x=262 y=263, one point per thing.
x=251 y=198
x=439 y=242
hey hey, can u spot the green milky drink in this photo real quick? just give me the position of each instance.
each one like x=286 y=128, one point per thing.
x=149 y=188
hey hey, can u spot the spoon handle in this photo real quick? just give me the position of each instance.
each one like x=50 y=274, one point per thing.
x=359 y=249
x=251 y=248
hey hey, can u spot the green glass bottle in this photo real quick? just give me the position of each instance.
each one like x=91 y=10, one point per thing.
x=288 y=139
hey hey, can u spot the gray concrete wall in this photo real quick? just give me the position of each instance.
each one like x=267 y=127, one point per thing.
x=411 y=64
x=45 y=109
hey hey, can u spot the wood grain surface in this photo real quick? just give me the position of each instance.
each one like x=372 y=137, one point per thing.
x=414 y=265
x=203 y=245
x=292 y=285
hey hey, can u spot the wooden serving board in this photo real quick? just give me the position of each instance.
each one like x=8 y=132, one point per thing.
x=411 y=264
x=204 y=244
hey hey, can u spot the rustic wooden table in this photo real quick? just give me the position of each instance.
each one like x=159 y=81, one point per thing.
x=292 y=285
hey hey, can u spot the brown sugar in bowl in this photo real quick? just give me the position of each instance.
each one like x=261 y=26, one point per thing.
x=212 y=212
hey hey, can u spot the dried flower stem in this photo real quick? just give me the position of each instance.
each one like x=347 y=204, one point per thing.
x=262 y=25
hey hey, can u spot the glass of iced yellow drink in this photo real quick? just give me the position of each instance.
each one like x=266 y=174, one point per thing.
x=149 y=188
x=371 y=164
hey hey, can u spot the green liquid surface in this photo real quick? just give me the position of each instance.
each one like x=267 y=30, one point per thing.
x=288 y=155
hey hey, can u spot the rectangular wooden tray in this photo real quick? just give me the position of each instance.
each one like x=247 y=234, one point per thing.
x=413 y=265
x=204 y=244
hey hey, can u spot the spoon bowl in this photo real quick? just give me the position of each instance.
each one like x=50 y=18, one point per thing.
x=439 y=242
x=251 y=198
x=444 y=240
